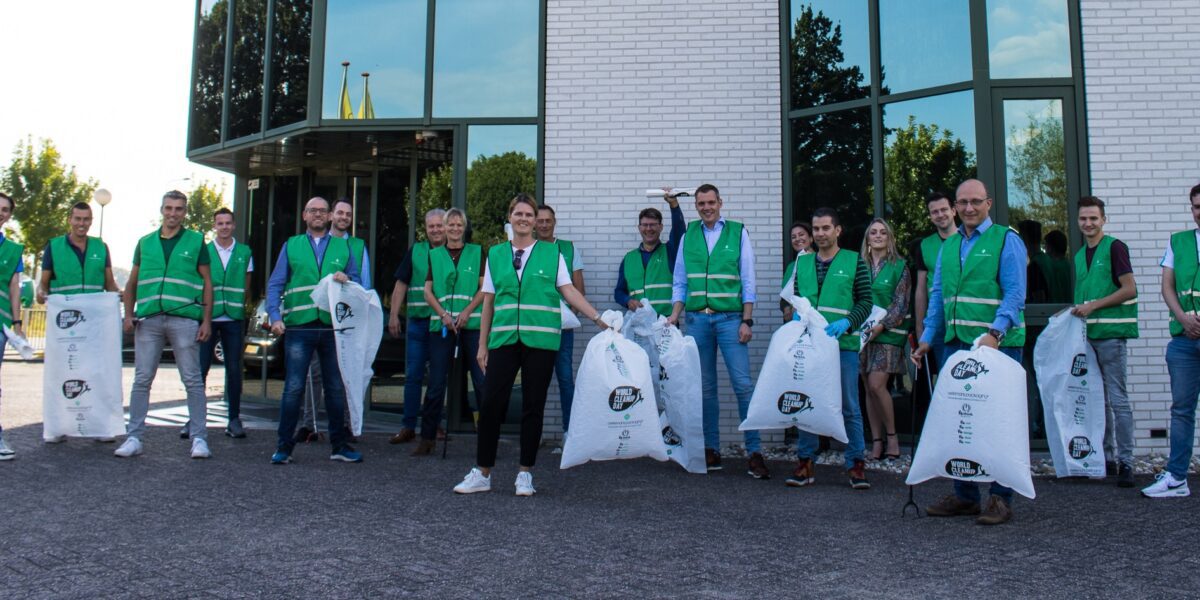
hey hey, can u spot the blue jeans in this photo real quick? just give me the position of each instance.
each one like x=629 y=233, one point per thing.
x=441 y=362
x=969 y=490
x=230 y=334
x=806 y=444
x=720 y=330
x=1183 y=365
x=564 y=371
x=299 y=344
x=416 y=358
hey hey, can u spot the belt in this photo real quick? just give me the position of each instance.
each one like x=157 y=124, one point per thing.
x=709 y=311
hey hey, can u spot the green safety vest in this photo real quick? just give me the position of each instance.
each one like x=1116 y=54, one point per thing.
x=1095 y=282
x=883 y=292
x=835 y=298
x=526 y=309
x=930 y=246
x=1183 y=245
x=298 y=305
x=971 y=291
x=71 y=277
x=416 y=305
x=714 y=280
x=651 y=280
x=455 y=285
x=170 y=284
x=567 y=248
x=229 y=281
x=10 y=259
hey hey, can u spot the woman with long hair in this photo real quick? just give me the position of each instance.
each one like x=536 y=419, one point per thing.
x=801 y=237
x=884 y=353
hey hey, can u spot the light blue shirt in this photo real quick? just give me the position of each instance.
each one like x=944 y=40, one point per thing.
x=279 y=276
x=679 y=286
x=20 y=263
x=1013 y=261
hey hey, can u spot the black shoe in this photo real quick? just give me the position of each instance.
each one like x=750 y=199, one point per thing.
x=712 y=459
x=183 y=433
x=303 y=435
x=1124 y=476
x=234 y=429
x=1110 y=468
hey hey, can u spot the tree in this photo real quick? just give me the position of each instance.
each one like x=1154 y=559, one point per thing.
x=43 y=189
x=492 y=181
x=204 y=200
x=921 y=159
x=1039 y=174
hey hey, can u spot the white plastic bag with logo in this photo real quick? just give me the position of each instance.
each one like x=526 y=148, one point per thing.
x=614 y=414
x=800 y=381
x=640 y=327
x=357 y=317
x=20 y=344
x=977 y=428
x=864 y=332
x=1072 y=397
x=81 y=380
x=678 y=379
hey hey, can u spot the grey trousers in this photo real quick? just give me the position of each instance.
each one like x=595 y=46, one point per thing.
x=149 y=339
x=1118 y=422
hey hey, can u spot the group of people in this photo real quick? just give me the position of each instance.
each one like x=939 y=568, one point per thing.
x=506 y=309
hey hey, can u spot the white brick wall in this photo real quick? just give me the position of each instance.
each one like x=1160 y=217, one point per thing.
x=673 y=92
x=1142 y=69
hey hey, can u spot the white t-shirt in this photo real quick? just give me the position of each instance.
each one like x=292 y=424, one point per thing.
x=225 y=254
x=562 y=278
x=1168 y=259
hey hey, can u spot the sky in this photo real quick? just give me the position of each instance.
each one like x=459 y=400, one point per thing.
x=108 y=83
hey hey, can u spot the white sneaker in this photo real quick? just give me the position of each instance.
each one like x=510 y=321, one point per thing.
x=524 y=484
x=475 y=481
x=131 y=447
x=58 y=439
x=1166 y=486
x=6 y=451
x=200 y=448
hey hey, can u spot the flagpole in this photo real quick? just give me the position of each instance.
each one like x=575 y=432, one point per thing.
x=344 y=110
x=366 y=110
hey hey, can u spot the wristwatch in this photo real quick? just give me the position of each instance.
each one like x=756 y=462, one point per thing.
x=748 y=322
x=996 y=333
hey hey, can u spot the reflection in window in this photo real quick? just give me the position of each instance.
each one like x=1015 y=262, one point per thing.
x=831 y=166
x=246 y=75
x=830 y=52
x=385 y=38
x=929 y=145
x=1028 y=38
x=503 y=162
x=208 y=81
x=924 y=43
x=496 y=73
x=292 y=38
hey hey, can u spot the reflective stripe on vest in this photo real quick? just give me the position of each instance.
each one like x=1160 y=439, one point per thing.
x=714 y=279
x=971 y=291
x=305 y=274
x=170 y=284
x=455 y=285
x=10 y=259
x=835 y=298
x=69 y=276
x=525 y=309
x=416 y=306
x=229 y=281
x=651 y=280
x=1093 y=282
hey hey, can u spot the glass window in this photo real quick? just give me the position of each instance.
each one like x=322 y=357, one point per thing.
x=246 y=75
x=830 y=52
x=831 y=166
x=924 y=43
x=385 y=38
x=929 y=145
x=208 y=81
x=486 y=58
x=291 y=42
x=503 y=162
x=1028 y=38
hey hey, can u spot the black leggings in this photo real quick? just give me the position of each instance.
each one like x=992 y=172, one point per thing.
x=536 y=367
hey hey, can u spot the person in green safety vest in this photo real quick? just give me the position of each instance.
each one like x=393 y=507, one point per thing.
x=645 y=272
x=800 y=236
x=564 y=365
x=1106 y=298
x=884 y=355
x=232 y=265
x=941 y=213
x=11 y=265
x=1181 y=291
x=169 y=300
x=524 y=282
x=84 y=265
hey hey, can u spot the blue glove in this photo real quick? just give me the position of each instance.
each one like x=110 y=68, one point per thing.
x=795 y=315
x=837 y=328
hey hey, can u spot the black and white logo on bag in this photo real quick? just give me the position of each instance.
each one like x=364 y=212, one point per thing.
x=671 y=438
x=72 y=388
x=1079 y=365
x=1080 y=447
x=623 y=397
x=342 y=312
x=968 y=369
x=791 y=403
x=964 y=467
x=68 y=318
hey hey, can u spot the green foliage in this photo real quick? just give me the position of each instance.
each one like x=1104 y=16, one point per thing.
x=492 y=181
x=1038 y=166
x=43 y=189
x=203 y=201
x=919 y=160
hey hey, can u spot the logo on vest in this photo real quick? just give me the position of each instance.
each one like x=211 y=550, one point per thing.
x=69 y=318
x=624 y=397
x=964 y=467
x=1079 y=365
x=968 y=369
x=791 y=403
x=342 y=312
x=72 y=388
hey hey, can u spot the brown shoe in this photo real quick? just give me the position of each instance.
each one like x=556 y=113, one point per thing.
x=997 y=512
x=406 y=435
x=424 y=447
x=758 y=467
x=952 y=506
x=441 y=434
x=805 y=474
x=712 y=459
x=858 y=475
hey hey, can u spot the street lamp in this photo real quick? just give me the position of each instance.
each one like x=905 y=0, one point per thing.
x=102 y=197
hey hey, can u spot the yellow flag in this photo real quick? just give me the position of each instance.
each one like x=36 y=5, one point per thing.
x=366 y=110
x=345 y=111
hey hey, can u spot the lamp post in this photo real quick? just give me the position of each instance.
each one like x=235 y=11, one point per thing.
x=102 y=197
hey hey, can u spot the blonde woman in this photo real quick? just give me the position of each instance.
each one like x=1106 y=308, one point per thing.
x=884 y=354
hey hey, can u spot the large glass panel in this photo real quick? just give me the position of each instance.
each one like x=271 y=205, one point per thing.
x=485 y=58
x=291 y=43
x=929 y=145
x=830 y=52
x=924 y=43
x=208 y=81
x=831 y=166
x=1028 y=38
x=503 y=162
x=385 y=38
x=246 y=75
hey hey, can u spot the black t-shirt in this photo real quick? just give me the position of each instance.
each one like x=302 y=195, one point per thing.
x=1119 y=255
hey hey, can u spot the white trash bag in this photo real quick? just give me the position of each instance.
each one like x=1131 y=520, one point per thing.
x=640 y=327
x=977 y=428
x=20 y=344
x=81 y=379
x=1072 y=390
x=864 y=332
x=800 y=382
x=614 y=414
x=679 y=391
x=357 y=317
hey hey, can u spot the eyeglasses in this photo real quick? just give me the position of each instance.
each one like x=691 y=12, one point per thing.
x=317 y=211
x=973 y=202
x=517 y=259
x=649 y=225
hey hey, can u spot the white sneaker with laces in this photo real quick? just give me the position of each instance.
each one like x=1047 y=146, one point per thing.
x=1166 y=486
x=6 y=451
x=475 y=481
x=200 y=448
x=524 y=484
x=131 y=447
